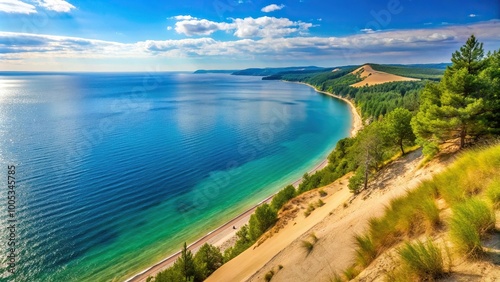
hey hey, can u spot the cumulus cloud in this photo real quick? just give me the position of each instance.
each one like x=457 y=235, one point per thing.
x=16 y=7
x=472 y=15
x=244 y=28
x=60 y=6
x=198 y=27
x=272 y=8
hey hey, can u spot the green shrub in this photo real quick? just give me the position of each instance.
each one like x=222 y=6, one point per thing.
x=322 y=193
x=282 y=197
x=313 y=237
x=269 y=276
x=320 y=203
x=262 y=219
x=424 y=260
x=356 y=181
x=310 y=209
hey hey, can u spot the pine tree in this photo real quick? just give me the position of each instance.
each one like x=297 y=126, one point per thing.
x=455 y=108
x=208 y=259
x=398 y=127
x=185 y=264
x=492 y=75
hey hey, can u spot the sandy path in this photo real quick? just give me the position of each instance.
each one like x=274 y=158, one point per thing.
x=225 y=232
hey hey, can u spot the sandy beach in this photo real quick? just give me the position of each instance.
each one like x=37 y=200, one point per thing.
x=226 y=232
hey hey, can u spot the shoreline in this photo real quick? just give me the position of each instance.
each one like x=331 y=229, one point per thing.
x=357 y=122
x=225 y=232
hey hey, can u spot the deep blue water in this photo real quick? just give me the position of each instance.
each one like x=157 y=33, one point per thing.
x=115 y=171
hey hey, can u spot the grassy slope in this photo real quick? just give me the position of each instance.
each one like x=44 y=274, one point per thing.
x=458 y=206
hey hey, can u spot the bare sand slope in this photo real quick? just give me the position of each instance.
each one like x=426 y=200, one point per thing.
x=372 y=77
x=334 y=224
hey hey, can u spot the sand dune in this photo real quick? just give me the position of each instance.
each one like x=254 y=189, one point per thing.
x=372 y=77
x=334 y=224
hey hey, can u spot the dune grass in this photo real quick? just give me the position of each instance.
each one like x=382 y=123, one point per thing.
x=405 y=217
x=470 y=221
x=470 y=187
x=365 y=250
x=470 y=175
x=493 y=193
x=313 y=237
x=308 y=246
x=351 y=272
x=423 y=260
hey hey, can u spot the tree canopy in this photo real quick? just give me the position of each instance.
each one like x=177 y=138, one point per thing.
x=458 y=106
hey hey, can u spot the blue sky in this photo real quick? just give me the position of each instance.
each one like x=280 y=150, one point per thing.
x=58 y=35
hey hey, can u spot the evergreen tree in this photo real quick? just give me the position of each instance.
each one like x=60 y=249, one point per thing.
x=263 y=218
x=455 y=107
x=492 y=75
x=399 y=128
x=208 y=259
x=185 y=265
x=369 y=151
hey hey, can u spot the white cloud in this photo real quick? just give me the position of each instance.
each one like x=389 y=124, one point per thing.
x=244 y=28
x=367 y=30
x=267 y=27
x=169 y=28
x=199 y=27
x=272 y=8
x=182 y=18
x=16 y=7
x=472 y=15
x=60 y=6
x=359 y=48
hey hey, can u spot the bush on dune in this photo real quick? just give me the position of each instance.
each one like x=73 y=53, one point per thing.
x=423 y=260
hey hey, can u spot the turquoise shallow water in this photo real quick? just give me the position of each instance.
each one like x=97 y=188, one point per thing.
x=115 y=171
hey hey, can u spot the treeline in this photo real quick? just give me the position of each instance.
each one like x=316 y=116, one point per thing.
x=378 y=100
x=463 y=106
x=310 y=76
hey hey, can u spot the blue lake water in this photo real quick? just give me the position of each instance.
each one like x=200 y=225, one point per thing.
x=115 y=171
